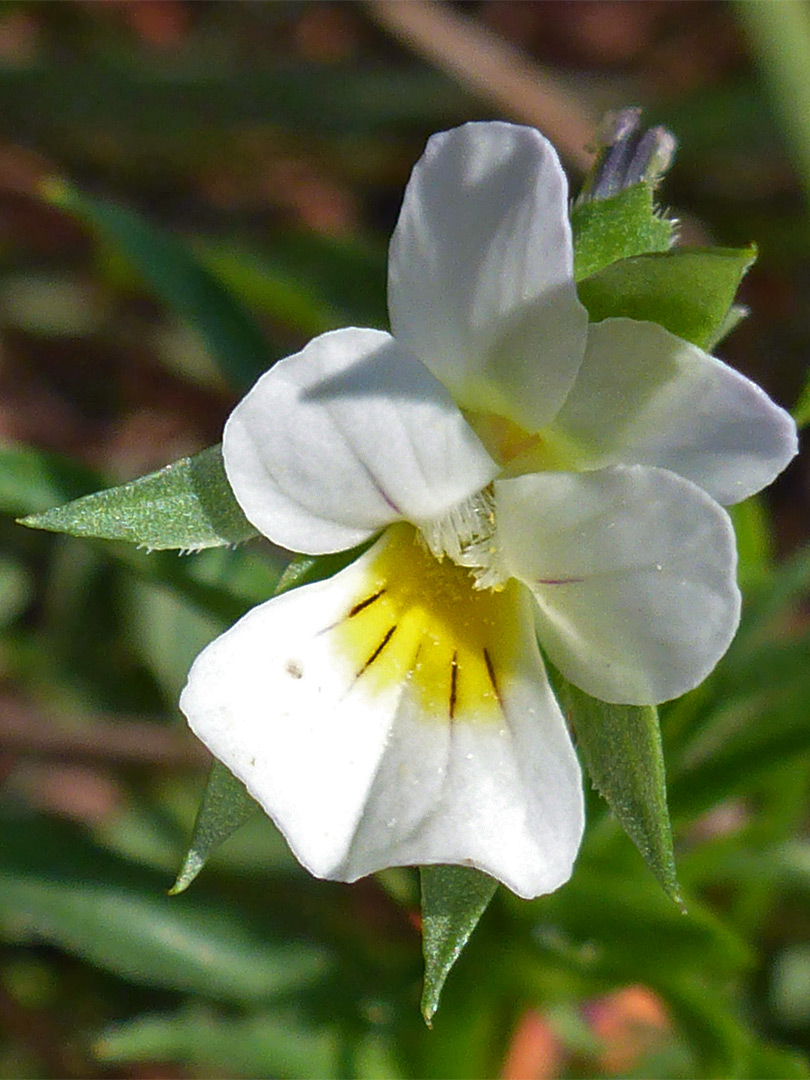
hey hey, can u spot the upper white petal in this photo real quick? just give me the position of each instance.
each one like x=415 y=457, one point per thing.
x=480 y=276
x=633 y=570
x=360 y=774
x=345 y=437
x=644 y=396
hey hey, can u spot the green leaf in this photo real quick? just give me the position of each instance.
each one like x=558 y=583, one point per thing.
x=746 y=739
x=754 y=539
x=32 y=479
x=718 y=1041
x=453 y=900
x=122 y=100
x=280 y=1043
x=801 y=413
x=627 y=224
x=621 y=745
x=167 y=630
x=769 y=1062
x=57 y=887
x=225 y=807
x=178 y=280
x=690 y=292
x=16 y=589
x=638 y=932
x=225 y=804
x=188 y=505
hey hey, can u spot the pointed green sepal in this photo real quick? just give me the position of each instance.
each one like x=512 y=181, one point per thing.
x=453 y=900
x=619 y=227
x=225 y=807
x=188 y=505
x=307 y=569
x=690 y=292
x=621 y=746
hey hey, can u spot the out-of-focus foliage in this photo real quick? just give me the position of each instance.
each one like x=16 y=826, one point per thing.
x=274 y=140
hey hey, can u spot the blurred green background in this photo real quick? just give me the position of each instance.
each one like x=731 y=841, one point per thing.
x=275 y=139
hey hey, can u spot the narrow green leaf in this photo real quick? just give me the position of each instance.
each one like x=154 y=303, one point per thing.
x=178 y=280
x=188 y=505
x=767 y=1061
x=690 y=292
x=620 y=227
x=32 y=479
x=16 y=589
x=621 y=745
x=717 y=1039
x=754 y=539
x=278 y=1043
x=746 y=740
x=801 y=413
x=453 y=900
x=57 y=887
x=225 y=806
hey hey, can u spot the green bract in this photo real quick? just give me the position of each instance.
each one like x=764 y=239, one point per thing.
x=188 y=505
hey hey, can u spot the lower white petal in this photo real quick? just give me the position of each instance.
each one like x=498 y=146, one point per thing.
x=393 y=715
x=645 y=397
x=633 y=570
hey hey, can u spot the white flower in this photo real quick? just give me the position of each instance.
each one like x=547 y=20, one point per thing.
x=530 y=475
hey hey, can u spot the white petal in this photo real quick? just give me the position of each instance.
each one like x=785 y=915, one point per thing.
x=345 y=437
x=633 y=570
x=480 y=275
x=644 y=396
x=372 y=748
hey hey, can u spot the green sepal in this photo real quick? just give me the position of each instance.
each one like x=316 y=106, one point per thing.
x=225 y=806
x=306 y=569
x=453 y=900
x=177 y=279
x=690 y=292
x=188 y=505
x=627 y=224
x=621 y=747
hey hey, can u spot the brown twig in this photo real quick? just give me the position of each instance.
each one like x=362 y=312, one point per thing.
x=24 y=731
x=491 y=67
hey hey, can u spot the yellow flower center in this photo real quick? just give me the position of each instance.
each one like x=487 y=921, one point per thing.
x=421 y=620
x=520 y=451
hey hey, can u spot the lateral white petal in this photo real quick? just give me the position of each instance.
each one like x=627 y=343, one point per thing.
x=644 y=396
x=345 y=437
x=633 y=570
x=480 y=274
x=359 y=774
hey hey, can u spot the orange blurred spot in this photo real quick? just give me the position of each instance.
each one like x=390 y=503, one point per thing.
x=162 y=24
x=630 y=1022
x=535 y=1052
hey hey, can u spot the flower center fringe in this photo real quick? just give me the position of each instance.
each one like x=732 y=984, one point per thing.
x=467 y=534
